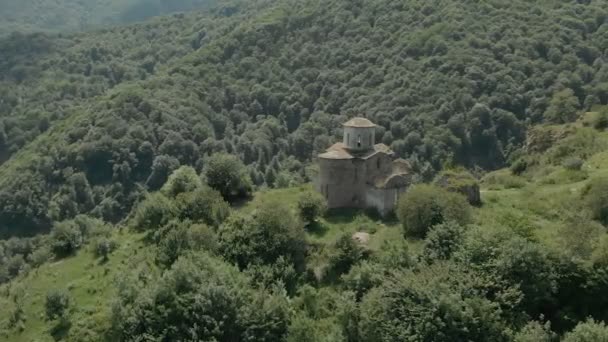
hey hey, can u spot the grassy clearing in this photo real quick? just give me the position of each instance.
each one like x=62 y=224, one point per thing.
x=89 y=282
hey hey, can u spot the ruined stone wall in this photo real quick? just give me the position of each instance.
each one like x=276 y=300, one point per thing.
x=342 y=182
x=384 y=200
x=380 y=165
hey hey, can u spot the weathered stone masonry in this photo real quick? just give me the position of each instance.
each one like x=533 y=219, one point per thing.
x=358 y=173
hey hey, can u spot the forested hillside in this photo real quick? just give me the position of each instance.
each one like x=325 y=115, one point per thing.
x=155 y=178
x=75 y=15
x=449 y=83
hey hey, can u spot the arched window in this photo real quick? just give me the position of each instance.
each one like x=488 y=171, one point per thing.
x=370 y=139
x=347 y=139
x=359 y=141
x=378 y=163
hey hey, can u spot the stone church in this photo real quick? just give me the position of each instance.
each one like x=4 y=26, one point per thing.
x=358 y=173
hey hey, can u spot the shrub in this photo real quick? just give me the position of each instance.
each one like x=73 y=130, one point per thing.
x=600 y=122
x=154 y=212
x=596 y=199
x=310 y=206
x=441 y=241
x=41 y=255
x=425 y=206
x=103 y=247
x=57 y=304
x=179 y=237
x=590 y=331
x=228 y=175
x=204 y=205
x=66 y=238
x=443 y=302
x=573 y=164
x=535 y=332
x=345 y=253
x=184 y=179
x=262 y=237
x=519 y=167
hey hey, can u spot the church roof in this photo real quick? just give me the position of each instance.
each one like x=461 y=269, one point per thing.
x=338 y=151
x=359 y=122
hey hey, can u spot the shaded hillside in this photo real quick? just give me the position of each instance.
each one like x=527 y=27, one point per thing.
x=72 y=15
x=449 y=82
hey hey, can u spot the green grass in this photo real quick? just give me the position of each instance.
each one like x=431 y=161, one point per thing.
x=88 y=280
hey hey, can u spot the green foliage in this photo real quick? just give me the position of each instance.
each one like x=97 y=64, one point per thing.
x=563 y=107
x=178 y=238
x=362 y=277
x=66 y=238
x=600 y=121
x=442 y=302
x=535 y=332
x=153 y=212
x=346 y=253
x=425 y=206
x=442 y=241
x=184 y=179
x=519 y=166
x=519 y=262
x=103 y=247
x=587 y=332
x=226 y=174
x=57 y=304
x=596 y=199
x=199 y=298
x=270 y=236
x=203 y=205
x=311 y=205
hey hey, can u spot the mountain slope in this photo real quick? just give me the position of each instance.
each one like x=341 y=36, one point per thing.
x=68 y=15
x=448 y=82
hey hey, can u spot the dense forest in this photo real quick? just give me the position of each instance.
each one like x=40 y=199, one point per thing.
x=75 y=15
x=169 y=163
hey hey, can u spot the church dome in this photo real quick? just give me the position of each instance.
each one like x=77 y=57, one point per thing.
x=359 y=123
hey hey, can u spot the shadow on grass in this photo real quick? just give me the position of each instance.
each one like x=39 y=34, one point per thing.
x=349 y=215
x=317 y=229
x=61 y=330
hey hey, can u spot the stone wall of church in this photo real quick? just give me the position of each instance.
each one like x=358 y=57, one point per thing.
x=380 y=165
x=342 y=182
x=383 y=200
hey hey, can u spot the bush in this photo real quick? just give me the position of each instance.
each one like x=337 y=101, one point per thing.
x=200 y=298
x=443 y=302
x=179 y=237
x=573 y=164
x=184 y=179
x=41 y=255
x=519 y=167
x=310 y=206
x=590 y=331
x=441 y=241
x=228 y=175
x=103 y=247
x=154 y=212
x=269 y=233
x=204 y=205
x=425 y=206
x=57 y=304
x=66 y=238
x=595 y=197
x=600 y=122
x=535 y=332
x=345 y=253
